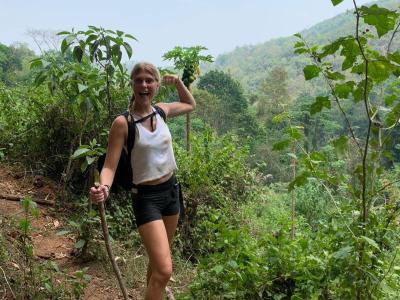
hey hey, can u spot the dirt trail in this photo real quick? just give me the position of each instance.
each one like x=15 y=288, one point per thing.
x=47 y=244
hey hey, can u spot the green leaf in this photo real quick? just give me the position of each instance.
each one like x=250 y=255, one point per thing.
x=63 y=32
x=84 y=166
x=82 y=87
x=318 y=156
x=381 y=18
x=294 y=133
x=300 y=180
x=379 y=70
x=24 y=225
x=334 y=46
x=90 y=38
x=39 y=79
x=63 y=232
x=334 y=75
x=79 y=244
x=395 y=56
x=299 y=45
x=336 y=2
x=78 y=53
x=279 y=117
x=300 y=50
x=350 y=52
x=393 y=116
x=36 y=63
x=79 y=153
x=217 y=269
x=359 y=91
x=130 y=36
x=64 y=45
x=319 y=104
x=128 y=49
x=90 y=159
x=281 y=145
x=390 y=99
x=371 y=242
x=342 y=90
x=116 y=54
x=311 y=71
x=48 y=287
x=340 y=144
x=342 y=252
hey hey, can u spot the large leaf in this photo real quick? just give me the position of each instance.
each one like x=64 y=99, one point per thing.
x=381 y=18
x=371 y=242
x=279 y=117
x=336 y=2
x=300 y=180
x=78 y=53
x=380 y=70
x=350 y=52
x=342 y=252
x=130 y=36
x=311 y=71
x=79 y=244
x=80 y=152
x=342 y=90
x=82 y=87
x=294 y=133
x=319 y=104
x=281 y=145
x=128 y=49
x=36 y=63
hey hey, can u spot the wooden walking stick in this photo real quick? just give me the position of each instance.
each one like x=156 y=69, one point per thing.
x=107 y=241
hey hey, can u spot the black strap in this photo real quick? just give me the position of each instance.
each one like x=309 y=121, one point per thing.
x=161 y=112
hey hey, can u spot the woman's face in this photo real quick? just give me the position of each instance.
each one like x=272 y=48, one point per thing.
x=144 y=86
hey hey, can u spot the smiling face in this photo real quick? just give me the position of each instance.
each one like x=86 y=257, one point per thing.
x=145 y=82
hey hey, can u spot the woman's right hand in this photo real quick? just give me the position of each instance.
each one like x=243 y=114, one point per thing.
x=99 y=194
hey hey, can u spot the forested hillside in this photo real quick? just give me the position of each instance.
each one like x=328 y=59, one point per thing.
x=251 y=64
x=289 y=166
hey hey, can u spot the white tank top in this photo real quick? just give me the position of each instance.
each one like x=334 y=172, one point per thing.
x=152 y=154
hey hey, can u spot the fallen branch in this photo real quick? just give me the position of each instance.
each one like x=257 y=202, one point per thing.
x=18 y=198
x=109 y=250
x=9 y=286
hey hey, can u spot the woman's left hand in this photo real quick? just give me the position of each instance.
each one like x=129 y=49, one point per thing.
x=170 y=79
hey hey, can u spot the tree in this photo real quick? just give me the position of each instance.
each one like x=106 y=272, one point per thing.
x=233 y=110
x=365 y=211
x=274 y=94
x=188 y=60
x=10 y=62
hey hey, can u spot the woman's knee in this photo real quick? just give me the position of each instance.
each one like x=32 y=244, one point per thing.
x=163 y=272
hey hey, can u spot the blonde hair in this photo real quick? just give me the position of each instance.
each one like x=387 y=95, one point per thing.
x=146 y=67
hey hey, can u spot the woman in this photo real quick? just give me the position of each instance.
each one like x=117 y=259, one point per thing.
x=156 y=203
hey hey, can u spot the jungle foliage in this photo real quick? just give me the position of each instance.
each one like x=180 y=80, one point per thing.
x=291 y=179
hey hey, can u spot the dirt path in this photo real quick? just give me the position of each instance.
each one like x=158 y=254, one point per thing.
x=47 y=244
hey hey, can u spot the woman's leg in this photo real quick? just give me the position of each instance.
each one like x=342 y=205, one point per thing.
x=170 y=223
x=156 y=236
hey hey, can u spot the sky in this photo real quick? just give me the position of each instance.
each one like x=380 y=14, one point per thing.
x=160 y=25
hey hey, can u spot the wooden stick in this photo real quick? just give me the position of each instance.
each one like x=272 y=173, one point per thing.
x=109 y=250
x=18 y=198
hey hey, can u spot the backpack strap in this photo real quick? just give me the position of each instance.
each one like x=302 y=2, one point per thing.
x=161 y=112
x=130 y=140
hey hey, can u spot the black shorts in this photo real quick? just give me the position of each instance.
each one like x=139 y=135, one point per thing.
x=152 y=202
